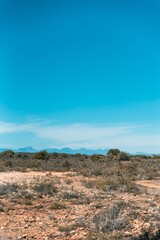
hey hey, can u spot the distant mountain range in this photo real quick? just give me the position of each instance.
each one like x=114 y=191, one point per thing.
x=63 y=150
x=80 y=150
x=25 y=149
x=70 y=151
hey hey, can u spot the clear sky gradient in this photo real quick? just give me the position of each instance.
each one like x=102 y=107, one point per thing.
x=80 y=74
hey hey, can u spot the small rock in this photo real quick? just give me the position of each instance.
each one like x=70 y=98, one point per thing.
x=1 y=208
x=26 y=226
x=146 y=227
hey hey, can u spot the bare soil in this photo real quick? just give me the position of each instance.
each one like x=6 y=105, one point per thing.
x=40 y=216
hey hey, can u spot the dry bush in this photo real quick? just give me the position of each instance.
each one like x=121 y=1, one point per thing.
x=67 y=227
x=68 y=181
x=63 y=155
x=71 y=195
x=58 y=205
x=137 y=167
x=22 y=155
x=95 y=157
x=7 y=189
x=111 y=219
x=104 y=236
x=112 y=183
x=23 y=197
x=148 y=236
x=53 y=155
x=45 y=186
x=79 y=223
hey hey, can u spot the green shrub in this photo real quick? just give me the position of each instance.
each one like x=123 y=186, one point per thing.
x=7 y=153
x=22 y=155
x=43 y=155
x=113 y=151
x=122 y=156
x=54 y=155
x=64 y=155
x=116 y=154
x=95 y=157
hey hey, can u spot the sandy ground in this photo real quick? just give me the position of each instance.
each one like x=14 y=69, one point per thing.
x=150 y=183
x=18 y=177
x=20 y=219
x=151 y=186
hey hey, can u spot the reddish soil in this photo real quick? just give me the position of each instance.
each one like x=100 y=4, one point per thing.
x=21 y=218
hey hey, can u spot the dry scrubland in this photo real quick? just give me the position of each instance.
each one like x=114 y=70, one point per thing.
x=61 y=196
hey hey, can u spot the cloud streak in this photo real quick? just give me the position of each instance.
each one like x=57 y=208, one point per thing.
x=125 y=136
x=6 y=127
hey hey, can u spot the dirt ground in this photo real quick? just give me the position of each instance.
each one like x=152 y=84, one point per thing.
x=69 y=213
x=151 y=186
x=18 y=177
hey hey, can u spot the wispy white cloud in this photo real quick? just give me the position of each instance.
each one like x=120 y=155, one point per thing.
x=130 y=137
x=6 y=127
x=80 y=132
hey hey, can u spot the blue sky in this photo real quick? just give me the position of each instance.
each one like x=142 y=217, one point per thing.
x=80 y=74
